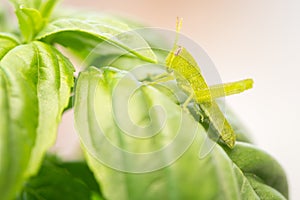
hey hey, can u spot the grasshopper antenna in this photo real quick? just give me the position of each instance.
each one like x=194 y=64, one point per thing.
x=178 y=28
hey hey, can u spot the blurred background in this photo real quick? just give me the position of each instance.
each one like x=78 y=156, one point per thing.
x=257 y=39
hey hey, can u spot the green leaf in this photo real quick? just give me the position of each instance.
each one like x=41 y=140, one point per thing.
x=35 y=88
x=252 y=160
x=220 y=175
x=32 y=16
x=81 y=171
x=27 y=3
x=264 y=191
x=7 y=43
x=30 y=22
x=57 y=180
x=54 y=87
x=47 y=8
x=84 y=35
x=17 y=129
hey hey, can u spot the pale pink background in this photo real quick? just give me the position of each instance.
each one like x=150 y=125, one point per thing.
x=258 y=39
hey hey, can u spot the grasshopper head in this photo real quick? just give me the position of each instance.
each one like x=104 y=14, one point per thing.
x=169 y=61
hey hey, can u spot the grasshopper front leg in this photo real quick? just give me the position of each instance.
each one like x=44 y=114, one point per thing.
x=161 y=78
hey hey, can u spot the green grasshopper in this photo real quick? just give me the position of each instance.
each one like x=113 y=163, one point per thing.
x=182 y=66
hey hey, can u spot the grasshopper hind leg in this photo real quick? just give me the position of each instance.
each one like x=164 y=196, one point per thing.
x=189 y=91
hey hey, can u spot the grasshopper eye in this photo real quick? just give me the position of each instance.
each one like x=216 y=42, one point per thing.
x=177 y=52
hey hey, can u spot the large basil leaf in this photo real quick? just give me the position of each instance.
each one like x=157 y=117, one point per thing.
x=242 y=173
x=253 y=161
x=72 y=180
x=83 y=35
x=7 y=43
x=35 y=88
